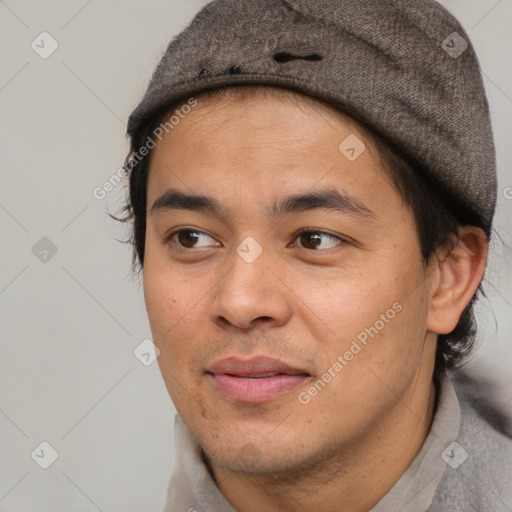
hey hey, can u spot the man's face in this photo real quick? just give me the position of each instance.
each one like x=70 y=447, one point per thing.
x=344 y=303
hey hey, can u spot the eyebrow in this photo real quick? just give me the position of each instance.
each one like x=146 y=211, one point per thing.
x=326 y=199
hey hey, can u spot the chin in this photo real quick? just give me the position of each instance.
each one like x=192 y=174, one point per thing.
x=249 y=459
x=256 y=456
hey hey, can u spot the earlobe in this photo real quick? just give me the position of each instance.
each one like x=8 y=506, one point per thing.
x=458 y=272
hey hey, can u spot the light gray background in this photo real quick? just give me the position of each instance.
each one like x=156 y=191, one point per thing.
x=69 y=325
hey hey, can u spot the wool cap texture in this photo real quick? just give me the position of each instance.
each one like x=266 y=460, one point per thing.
x=404 y=68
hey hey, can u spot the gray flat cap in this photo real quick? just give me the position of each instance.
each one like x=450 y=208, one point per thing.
x=405 y=68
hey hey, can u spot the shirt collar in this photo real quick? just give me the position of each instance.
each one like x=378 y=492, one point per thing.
x=415 y=489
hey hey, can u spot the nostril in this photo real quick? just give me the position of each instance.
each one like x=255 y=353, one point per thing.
x=235 y=70
x=283 y=57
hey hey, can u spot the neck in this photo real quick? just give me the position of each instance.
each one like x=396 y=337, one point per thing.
x=353 y=478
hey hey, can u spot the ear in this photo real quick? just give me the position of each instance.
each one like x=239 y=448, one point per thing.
x=457 y=272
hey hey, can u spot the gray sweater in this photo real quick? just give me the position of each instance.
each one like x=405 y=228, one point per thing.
x=484 y=481
x=465 y=463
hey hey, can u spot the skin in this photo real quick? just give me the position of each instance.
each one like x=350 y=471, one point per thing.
x=301 y=301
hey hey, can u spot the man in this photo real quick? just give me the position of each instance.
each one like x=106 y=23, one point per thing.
x=312 y=188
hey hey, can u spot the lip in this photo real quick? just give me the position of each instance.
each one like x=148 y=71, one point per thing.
x=236 y=378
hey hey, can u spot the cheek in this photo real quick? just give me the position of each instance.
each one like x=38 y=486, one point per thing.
x=177 y=309
x=377 y=327
x=160 y=298
x=167 y=300
x=384 y=305
x=169 y=316
x=165 y=291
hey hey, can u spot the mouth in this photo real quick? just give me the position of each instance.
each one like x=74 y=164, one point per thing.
x=255 y=380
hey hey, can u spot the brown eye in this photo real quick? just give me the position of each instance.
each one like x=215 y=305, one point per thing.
x=313 y=240
x=189 y=238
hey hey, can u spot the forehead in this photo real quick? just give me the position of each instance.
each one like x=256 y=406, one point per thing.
x=265 y=146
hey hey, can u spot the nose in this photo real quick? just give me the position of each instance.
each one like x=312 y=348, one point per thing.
x=251 y=294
